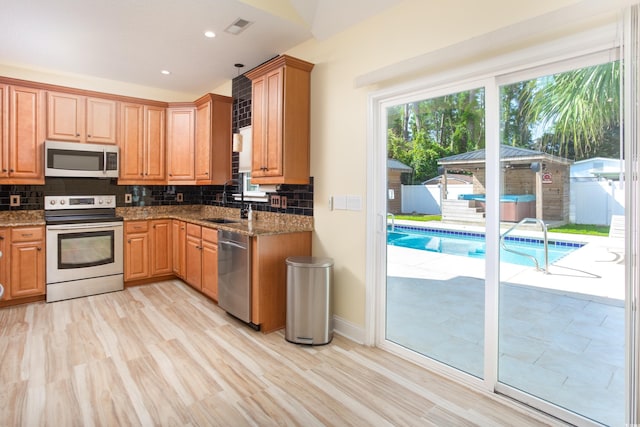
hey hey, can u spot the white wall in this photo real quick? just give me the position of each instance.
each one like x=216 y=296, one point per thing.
x=339 y=112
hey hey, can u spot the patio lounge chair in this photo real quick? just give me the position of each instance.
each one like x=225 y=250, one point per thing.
x=616 y=238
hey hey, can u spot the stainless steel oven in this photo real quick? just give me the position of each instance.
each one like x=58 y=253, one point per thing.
x=84 y=246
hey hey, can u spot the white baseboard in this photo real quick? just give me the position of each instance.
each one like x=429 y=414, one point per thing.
x=348 y=329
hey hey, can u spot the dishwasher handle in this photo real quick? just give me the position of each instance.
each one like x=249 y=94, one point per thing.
x=230 y=243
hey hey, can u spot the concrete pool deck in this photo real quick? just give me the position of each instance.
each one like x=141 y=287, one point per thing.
x=561 y=334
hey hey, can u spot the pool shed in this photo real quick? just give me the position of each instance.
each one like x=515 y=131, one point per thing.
x=534 y=185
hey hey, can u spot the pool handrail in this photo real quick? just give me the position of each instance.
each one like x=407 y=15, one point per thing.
x=546 y=243
x=393 y=221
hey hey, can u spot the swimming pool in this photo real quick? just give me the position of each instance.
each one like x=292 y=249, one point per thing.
x=472 y=244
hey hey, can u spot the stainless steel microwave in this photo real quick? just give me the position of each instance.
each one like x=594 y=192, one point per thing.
x=74 y=159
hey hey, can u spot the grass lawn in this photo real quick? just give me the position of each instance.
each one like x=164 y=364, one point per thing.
x=419 y=217
x=592 y=230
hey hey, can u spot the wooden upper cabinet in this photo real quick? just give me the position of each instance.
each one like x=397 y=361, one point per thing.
x=23 y=136
x=4 y=131
x=213 y=139
x=79 y=118
x=141 y=144
x=181 y=144
x=102 y=121
x=281 y=121
x=155 y=144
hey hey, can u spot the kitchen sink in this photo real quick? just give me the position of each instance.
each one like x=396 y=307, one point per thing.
x=220 y=220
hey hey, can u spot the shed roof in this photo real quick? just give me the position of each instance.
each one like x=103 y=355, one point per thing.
x=507 y=153
x=398 y=165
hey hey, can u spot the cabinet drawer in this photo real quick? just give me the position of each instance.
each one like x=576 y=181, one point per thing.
x=136 y=226
x=27 y=234
x=210 y=235
x=194 y=230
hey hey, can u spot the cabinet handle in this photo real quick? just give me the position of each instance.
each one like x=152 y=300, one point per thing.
x=129 y=241
x=4 y=170
x=11 y=170
x=141 y=174
x=27 y=234
x=1 y=237
x=39 y=248
x=77 y=134
x=170 y=174
x=88 y=136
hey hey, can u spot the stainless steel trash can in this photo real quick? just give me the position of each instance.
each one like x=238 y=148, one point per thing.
x=309 y=306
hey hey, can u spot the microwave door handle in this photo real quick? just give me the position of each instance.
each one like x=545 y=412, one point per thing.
x=104 y=161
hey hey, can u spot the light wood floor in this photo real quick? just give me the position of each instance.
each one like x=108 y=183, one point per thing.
x=162 y=354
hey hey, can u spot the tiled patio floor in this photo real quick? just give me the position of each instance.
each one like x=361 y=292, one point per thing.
x=561 y=335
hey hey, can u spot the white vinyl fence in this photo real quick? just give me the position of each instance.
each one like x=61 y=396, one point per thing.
x=591 y=202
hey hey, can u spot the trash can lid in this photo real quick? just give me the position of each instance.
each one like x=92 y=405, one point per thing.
x=309 y=261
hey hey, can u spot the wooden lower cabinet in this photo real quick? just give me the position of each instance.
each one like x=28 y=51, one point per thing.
x=147 y=250
x=210 y=263
x=161 y=252
x=22 y=267
x=193 y=255
x=136 y=250
x=179 y=236
x=269 y=276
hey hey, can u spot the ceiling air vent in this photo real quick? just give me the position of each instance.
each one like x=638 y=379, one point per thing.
x=238 y=26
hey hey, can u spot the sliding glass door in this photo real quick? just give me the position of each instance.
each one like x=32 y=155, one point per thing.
x=505 y=241
x=562 y=259
x=435 y=269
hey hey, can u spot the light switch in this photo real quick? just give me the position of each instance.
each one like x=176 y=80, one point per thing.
x=354 y=203
x=340 y=202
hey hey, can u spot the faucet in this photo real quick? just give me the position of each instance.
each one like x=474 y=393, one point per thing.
x=244 y=212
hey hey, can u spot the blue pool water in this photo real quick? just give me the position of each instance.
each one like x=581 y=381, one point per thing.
x=472 y=244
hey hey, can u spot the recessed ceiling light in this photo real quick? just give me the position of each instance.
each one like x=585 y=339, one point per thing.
x=165 y=72
x=209 y=34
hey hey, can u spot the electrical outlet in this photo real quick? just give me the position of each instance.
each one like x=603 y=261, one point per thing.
x=14 y=200
x=275 y=201
x=127 y=198
x=179 y=197
x=283 y=202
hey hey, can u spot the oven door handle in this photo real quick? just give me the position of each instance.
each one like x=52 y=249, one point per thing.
x=82 y=226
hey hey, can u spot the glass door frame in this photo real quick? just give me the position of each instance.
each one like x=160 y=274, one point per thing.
x=377 y=208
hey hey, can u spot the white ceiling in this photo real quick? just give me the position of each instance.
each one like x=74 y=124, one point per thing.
x=132 y=40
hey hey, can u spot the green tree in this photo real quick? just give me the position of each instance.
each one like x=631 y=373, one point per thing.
x=580 y=111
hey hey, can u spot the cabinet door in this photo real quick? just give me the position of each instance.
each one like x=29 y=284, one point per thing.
x=4 y=131
x=3 y=264
x=210 y=269
x=221 y=140
x=131 y=141
x=154 y=137
x=178 y=235
x=102 y=120
x=26 y=135
x=136 y=256
x=203 y=142
x=181 y=144
x=65 y=116
x=193 y=262
x=258 y=126
x=161 y=248
x=272 y=147
x=27 y=269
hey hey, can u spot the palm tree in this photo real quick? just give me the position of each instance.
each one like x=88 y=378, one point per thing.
x=580 y=109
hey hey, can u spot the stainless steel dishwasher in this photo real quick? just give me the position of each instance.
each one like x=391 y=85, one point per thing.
x=234 y=274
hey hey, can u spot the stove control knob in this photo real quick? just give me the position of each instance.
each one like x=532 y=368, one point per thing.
x=109 y=201
x=100 y=201
x=62 y=202
x=52 y=202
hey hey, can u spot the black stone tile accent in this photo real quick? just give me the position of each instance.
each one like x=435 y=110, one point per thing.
x=241 y=92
